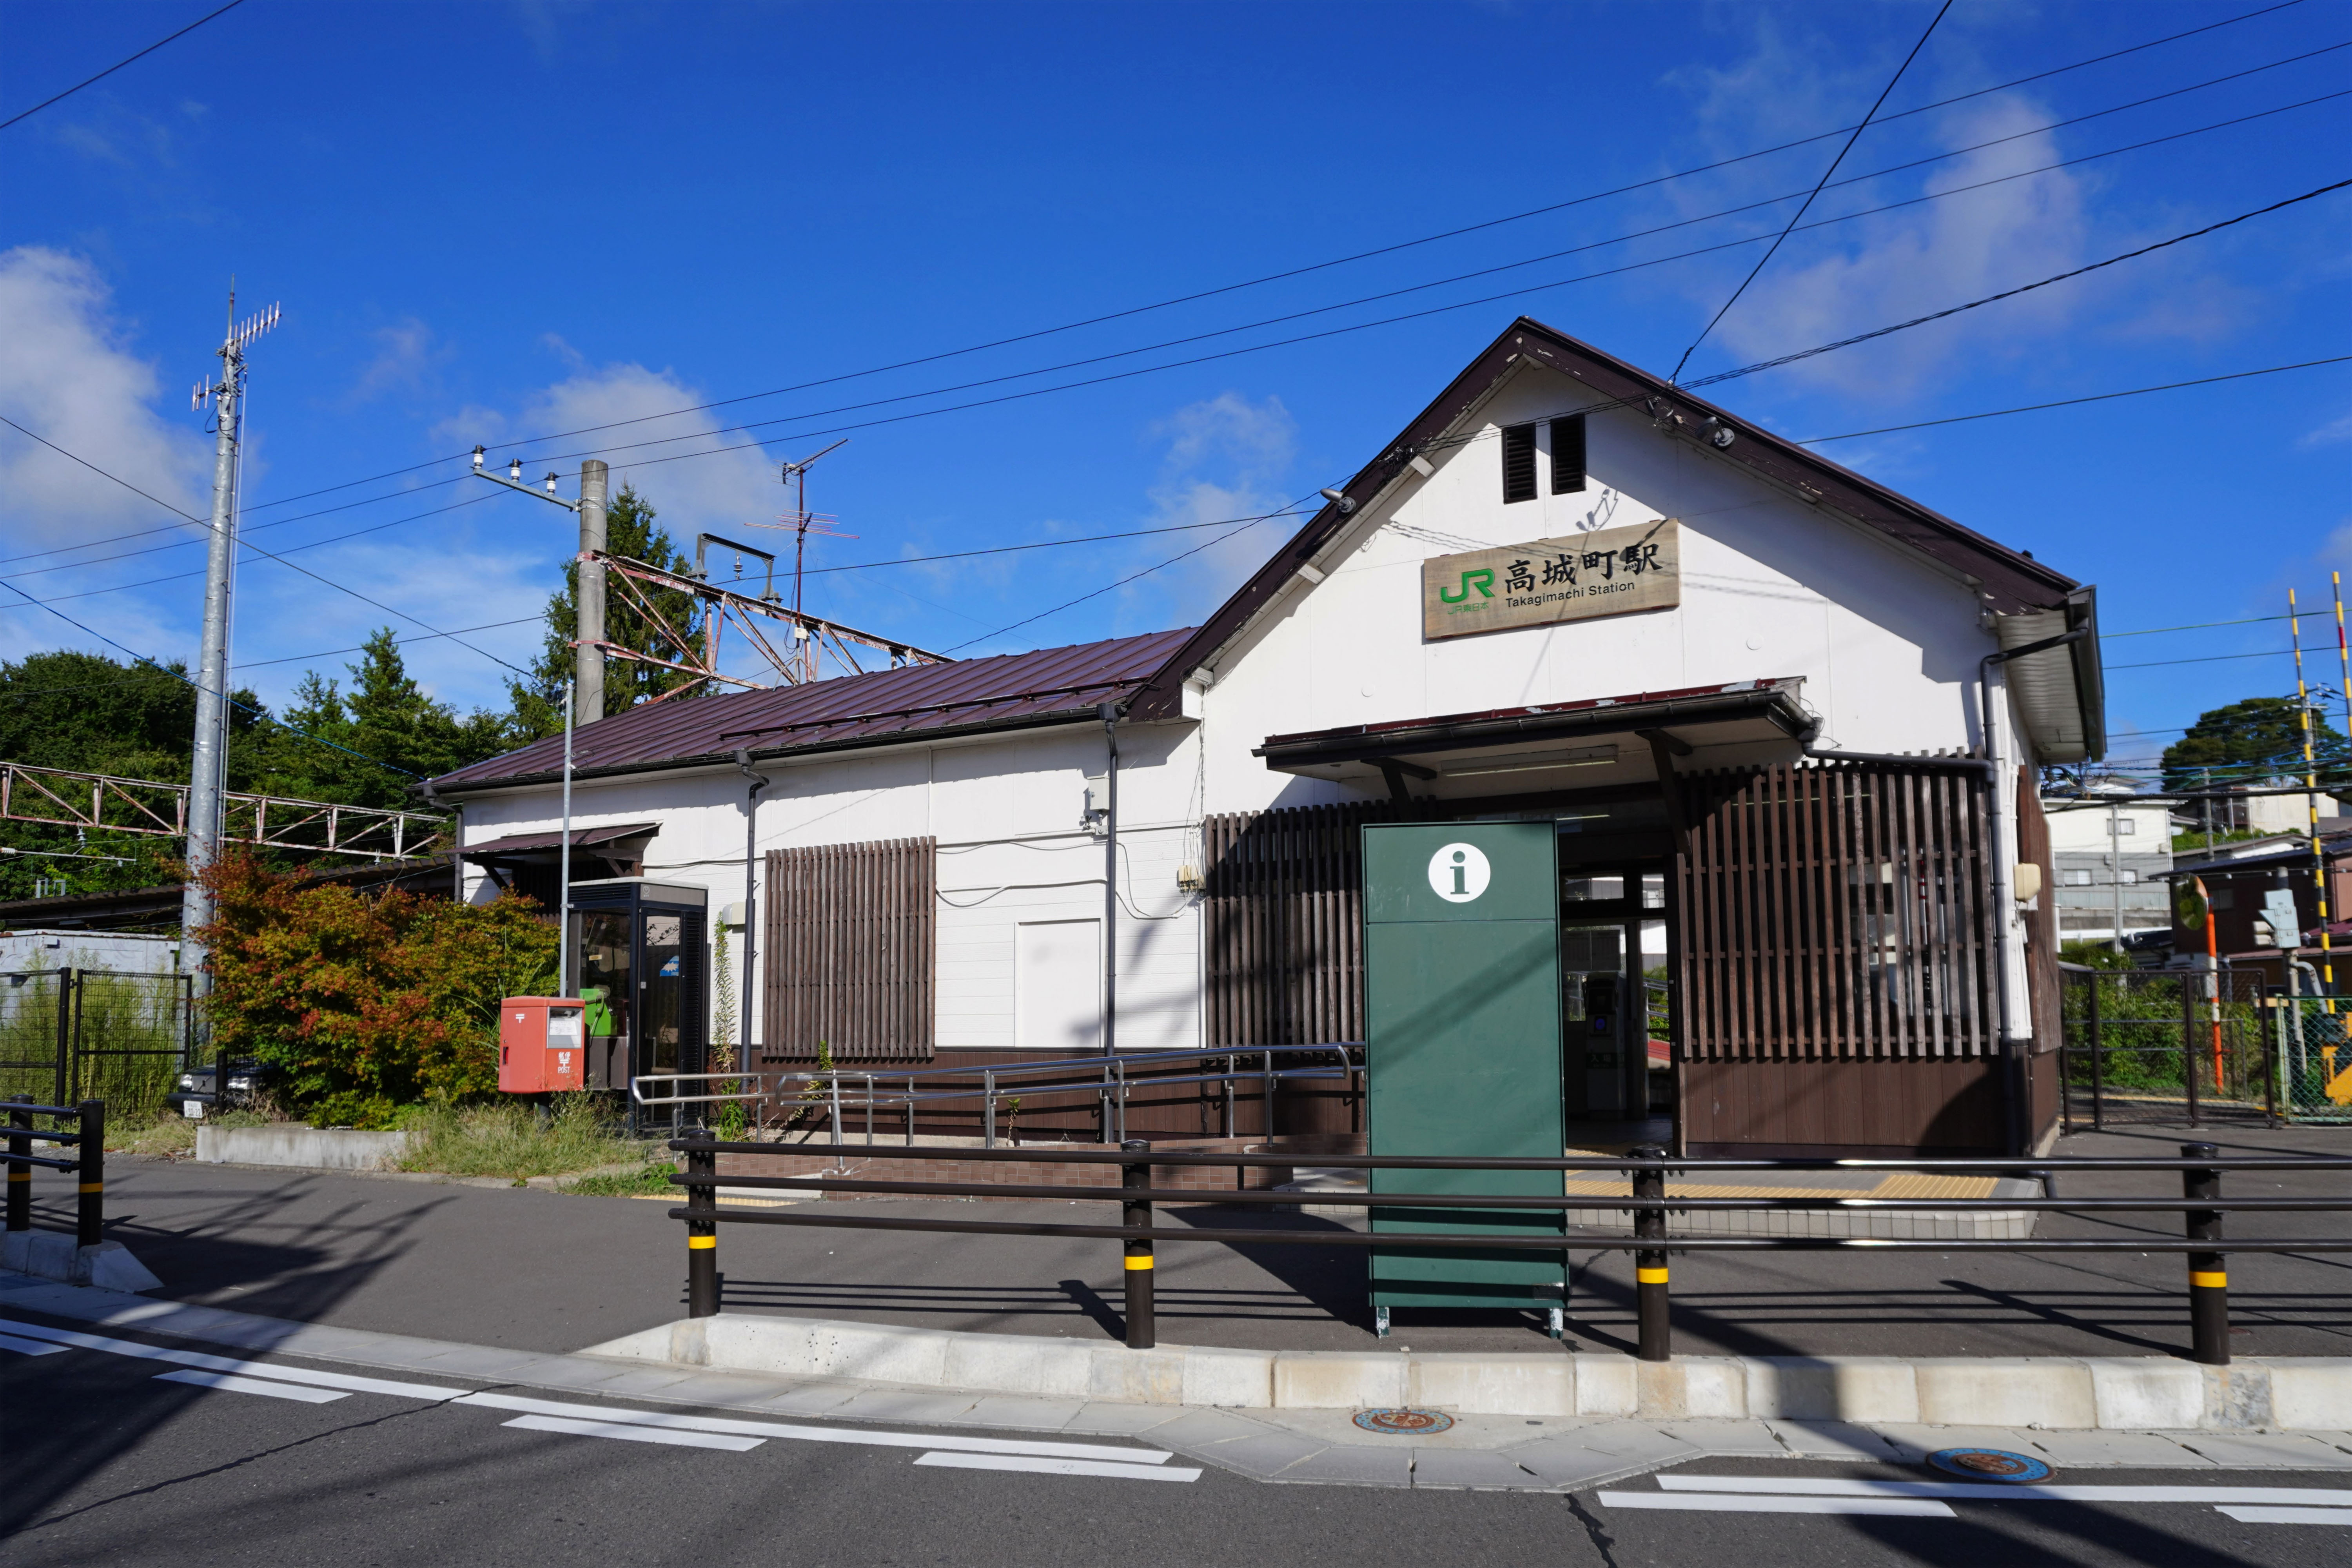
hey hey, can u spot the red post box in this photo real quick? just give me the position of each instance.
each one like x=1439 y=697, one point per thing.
x=540 y=1047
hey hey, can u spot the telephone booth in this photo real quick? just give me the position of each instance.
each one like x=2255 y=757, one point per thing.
x=639 y=967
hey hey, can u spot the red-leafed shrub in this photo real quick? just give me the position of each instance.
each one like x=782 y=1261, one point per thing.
x=366 y=1004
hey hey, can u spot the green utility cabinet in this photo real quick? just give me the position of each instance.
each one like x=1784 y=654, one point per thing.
x=1462 y=1052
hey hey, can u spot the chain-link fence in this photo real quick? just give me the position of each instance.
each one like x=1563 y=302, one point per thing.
x=2174 y=1046
x=70 y=1035
x=2314 y=1057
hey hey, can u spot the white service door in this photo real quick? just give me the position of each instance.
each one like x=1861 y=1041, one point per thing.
x=1058 y=986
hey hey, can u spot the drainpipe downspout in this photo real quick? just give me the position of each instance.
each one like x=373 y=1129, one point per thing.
x=760 y=781
x=1109 y=713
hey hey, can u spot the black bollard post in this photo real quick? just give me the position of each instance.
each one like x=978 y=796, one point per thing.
x=89 y=1218
x=20 y=1176
x=701 y=1235
x=1650 y=1264
x=1142 y=1333
x=2209 y=1283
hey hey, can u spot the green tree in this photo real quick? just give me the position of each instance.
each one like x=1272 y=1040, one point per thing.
x=84 y=712
x=2254 y=743
x=386 y=719
x=630 y=530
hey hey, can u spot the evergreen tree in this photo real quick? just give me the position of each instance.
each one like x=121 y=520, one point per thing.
x=630 y=530
x=386 y=719
x=2256 y=743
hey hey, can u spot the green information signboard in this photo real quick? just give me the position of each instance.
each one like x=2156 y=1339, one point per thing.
x=1463 y=1049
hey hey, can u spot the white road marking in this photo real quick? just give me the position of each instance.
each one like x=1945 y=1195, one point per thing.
x=2336 y=1515
x=823 y=1434
x=1720 y=1502
x=666 y=1420
x=630 y=1432
x=28 y=1347
x=269 y=1387
x=1995 y=1492
x=63 y=1338
x=1045 y=1467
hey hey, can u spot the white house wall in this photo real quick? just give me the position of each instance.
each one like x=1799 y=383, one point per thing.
x=1886 y=643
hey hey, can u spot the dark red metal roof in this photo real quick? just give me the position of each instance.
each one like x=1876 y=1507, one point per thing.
x=581 y=838
x=962 y=696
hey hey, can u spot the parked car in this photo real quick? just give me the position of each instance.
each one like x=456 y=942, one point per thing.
x=195 y=1097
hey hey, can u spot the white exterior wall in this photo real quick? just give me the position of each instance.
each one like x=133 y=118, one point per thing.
x=1012 y=847
x=1886 y=643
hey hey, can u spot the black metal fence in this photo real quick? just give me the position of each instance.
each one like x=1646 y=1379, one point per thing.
x=67 y=1035
x=2169 y=1047
x=1649 y=1236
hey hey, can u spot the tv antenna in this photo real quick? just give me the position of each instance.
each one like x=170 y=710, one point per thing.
x=804 y=522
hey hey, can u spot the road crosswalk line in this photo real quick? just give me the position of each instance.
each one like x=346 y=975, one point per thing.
x=1752 y=1502
x=2258 y=1515
x=1994 y=1491
x=1038 y=1465
x=28 y=1347
x=630 y=1432
x=271 y=1387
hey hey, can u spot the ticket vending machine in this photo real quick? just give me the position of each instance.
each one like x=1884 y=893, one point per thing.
x=1461 y=991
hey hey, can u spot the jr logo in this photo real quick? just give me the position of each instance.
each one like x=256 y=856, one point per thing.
x=1458 y=873
x=1482 y=579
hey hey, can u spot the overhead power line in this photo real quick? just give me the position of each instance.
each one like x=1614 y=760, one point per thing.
x=2021 y=288
x=258 y=550
x=1880 y=103
x=1299 y=271
x=59 y=96
x=2094 y=397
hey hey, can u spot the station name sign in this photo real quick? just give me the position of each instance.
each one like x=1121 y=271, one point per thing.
x=1610 y=572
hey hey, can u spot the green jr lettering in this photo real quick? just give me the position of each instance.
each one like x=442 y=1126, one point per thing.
x=1484 y=579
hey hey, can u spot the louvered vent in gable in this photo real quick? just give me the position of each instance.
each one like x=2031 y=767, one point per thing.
x=1568 y=455
x=1519 y=463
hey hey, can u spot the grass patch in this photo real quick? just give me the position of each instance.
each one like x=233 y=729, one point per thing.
x=651 y=1181
x=510 y=1141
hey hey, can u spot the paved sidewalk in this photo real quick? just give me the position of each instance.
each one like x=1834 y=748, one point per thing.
x=530 y=1269
x=1483 y=1453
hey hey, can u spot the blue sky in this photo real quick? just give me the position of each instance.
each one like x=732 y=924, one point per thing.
x=490 y=222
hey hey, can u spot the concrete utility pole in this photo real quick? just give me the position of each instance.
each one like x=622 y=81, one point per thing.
x=588 y=667
x=208 y=763
x=587 y=702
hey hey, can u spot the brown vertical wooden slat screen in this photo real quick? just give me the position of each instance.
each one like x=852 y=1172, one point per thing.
x=1837 y=913
x=848 y=949
x=1284 y=924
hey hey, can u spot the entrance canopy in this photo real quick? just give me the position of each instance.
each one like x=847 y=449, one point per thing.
x=1559 y=746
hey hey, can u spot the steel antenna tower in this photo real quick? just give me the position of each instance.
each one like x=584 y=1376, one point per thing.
x=208 y=764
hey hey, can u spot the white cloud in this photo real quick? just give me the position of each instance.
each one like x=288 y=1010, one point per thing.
x=2334 y=432
x=70 y=376
x=1886 y=270
x=407 y=357
x=692 y=480
x=1223 y=457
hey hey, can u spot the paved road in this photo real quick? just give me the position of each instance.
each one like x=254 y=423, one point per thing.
x=532 y=1269
x=108 y=1457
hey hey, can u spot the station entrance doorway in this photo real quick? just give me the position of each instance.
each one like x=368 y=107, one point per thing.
x=1616 y=990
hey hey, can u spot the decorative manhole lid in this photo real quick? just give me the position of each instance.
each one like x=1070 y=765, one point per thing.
x=1990 y=1465
x=1403 y=1422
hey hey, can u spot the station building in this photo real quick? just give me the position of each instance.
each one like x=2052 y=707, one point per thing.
x=1785 y=722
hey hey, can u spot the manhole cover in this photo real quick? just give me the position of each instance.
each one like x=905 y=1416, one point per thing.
x=1403 y=1421
x=1990 y=1465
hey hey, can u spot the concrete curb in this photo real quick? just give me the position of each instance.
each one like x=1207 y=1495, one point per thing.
x=2063 y=1393
x=54 y=1255
x=303 y=1147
